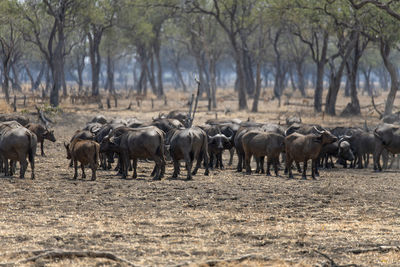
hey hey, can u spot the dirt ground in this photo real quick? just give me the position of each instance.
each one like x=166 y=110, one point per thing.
x=224 y=219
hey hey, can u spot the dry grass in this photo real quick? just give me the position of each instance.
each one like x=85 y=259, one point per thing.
x=223 y=216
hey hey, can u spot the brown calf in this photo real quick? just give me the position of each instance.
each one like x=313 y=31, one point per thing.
x=86 y=152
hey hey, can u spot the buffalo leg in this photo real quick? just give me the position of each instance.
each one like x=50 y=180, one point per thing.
x=7 y=170
x=231 y=152
x=269 y=162
x=360 y=159
x=289 y=162
x=240 y=161
x=160 y=165
x=83 y=171
x=32 y=162
x=219 y=157
x=313 y=167
x=206 y=159
x=304 y=176
x=71 y=163
x=316 y=169
x=276 y=168
x=211 y=161
x=188 y=166
x=262 y=164
x=75 y=169
x=377 y=158
x=247 y=158
x=134 y=166
x=156 y=171
x=93 y=167
x=41 y=148
x=23 y=166
x=176 y=169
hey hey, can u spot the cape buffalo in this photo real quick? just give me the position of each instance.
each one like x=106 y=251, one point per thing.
x=189 y=144
x=86 y=152
x=16 y=143
x=140 y=143
x=42 y=133
x=260 y=144
x=387 y=136
x=301 y=148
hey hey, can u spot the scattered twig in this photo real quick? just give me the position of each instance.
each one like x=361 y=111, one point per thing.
x=51 y=254
x=332 y=262
x=374 y=249
x=227 y=260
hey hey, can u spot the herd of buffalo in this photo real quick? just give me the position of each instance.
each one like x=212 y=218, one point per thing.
x=172 y=137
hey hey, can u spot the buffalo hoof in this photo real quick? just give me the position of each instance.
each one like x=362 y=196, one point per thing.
x=93 y=178
x=83 y=176
x=206 y=173
x=189 y=178
x=75 y=177
x=304 y=177
x=268 y=174
x=156 y=178
x=291 y=176
x=33 y=177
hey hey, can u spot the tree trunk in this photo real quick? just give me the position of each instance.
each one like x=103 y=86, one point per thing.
x=300 y=78
x=320 y=74
x=6 y=81
x=110 y=73
x=334 y=86
x=367 y=78
x=258 y=88
x=95 y=58
x=240 y=77
x=248 y=72
x=180 y=77
x=151 y=75
x=385 y=51
x=157 y=45
x=16 y=84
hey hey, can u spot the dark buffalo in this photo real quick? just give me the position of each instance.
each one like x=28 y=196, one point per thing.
x=17 y=143
x=134 y=144
x=261 y=144
x=166 y=124
x=42 y=133
x=387 y=136
x=220 y=137
x=100 y=119
x=189 y=144
x=93 y=127
x=14 y=117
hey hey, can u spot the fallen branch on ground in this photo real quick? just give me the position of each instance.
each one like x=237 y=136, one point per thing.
x=227 y=260
x=332 y=262
x=52 y=254
x=374 y=249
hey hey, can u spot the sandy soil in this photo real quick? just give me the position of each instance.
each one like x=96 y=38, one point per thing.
x=223 y=219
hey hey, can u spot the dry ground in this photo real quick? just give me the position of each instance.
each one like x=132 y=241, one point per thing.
x=213 y=219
